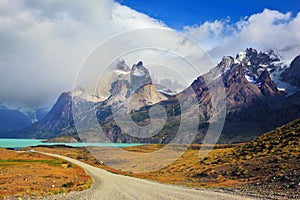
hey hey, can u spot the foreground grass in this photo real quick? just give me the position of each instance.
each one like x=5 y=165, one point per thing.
x=32 y=174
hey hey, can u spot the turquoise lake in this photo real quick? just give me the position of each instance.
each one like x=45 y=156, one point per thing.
x=20 y=143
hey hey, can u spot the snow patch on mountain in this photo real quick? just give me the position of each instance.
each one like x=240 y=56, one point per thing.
x=250 y=79
x=86 y=95
x=121 y=72
x=138 y=72
x=241 y=56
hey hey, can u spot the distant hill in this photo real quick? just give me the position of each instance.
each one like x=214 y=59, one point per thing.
x=59 y=121
x=15 y=118
x=12 y=120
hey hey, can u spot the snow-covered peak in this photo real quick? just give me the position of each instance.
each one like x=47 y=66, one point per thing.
x=254 y=64
x=139 y=70
x=227 y=63
x=139 y=76
x=273 y=55
x=250 y=79
x=241 y=56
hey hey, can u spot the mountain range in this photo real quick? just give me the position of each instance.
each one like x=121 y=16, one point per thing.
x=13 y=118
x=262 y=92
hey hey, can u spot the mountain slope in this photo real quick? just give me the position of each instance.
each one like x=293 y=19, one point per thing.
x=59 y=121
x=255 y=103
x=268 y=165
x=292 y=74
x=274 y=158
x=284 y=139
x=11 y=120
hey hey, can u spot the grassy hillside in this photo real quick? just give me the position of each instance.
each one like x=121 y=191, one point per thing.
x=284 y=140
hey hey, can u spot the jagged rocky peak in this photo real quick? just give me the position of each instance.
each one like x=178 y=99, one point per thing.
x=99 y=90
x=224 y=66
x=137 y=92
x=256 y=58
x=226 y=63
x=139 y=76
x=252 y=57
x=261 y=69
x=258 y=65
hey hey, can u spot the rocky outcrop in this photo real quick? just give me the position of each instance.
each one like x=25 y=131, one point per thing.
x=136 y=93
x=139 y=76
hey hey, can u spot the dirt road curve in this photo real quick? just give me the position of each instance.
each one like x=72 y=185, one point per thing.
x=108 y=186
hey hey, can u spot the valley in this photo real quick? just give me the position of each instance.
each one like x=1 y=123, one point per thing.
x=266 y=167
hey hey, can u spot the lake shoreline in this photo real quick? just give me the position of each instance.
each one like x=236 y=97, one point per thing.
x=13 y=143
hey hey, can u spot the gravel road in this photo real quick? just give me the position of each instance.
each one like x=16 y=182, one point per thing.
x=108 y=186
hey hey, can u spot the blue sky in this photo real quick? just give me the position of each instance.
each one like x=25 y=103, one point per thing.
x=180 y=13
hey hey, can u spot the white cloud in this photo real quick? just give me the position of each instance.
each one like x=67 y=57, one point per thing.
x=44 y=42
x=209 y=33
x=126 y=18
x=267 y=30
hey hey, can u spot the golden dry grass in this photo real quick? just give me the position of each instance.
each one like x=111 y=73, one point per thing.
x=33 y=174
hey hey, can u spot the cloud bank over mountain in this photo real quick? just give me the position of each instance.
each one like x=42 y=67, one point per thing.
x=268 y=30
x=43 y=43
